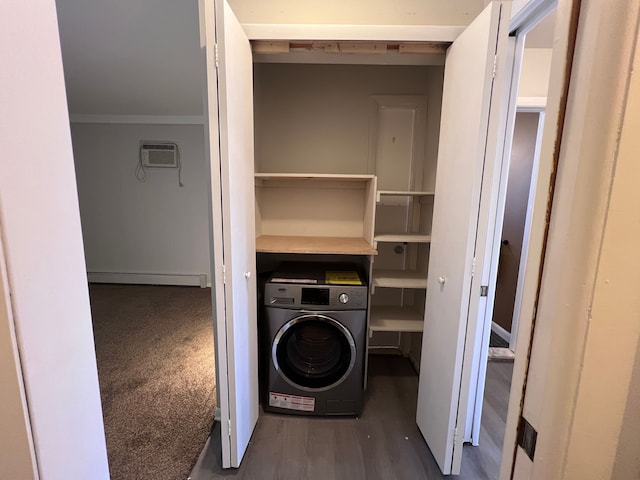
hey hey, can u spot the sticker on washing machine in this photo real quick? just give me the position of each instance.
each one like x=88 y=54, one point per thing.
x=292 y=402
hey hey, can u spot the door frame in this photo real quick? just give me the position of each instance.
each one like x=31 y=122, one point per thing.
x=525 y=15
x=539 y=203
x=292 y=32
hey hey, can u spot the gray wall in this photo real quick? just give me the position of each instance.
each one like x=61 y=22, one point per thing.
x=515 y=211
x=133 y=227
x=315 y=118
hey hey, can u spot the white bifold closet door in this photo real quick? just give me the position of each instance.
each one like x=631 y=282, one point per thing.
x=230 y=135
x=443 y=391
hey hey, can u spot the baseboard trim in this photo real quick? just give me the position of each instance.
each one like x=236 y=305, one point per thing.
x=196 y=280
x=501 y=332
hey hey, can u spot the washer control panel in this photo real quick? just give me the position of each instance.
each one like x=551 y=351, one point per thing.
x=316 y=297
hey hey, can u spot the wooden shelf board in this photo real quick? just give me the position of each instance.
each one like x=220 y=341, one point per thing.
x=313 y=176
x=399 y=279
x=322 y=245
x=403 y=237
x=396 y=319
x=400 y=193
x=404 y=193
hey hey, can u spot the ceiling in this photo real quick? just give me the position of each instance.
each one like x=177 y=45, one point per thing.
x=142 y=57
x=131 y=57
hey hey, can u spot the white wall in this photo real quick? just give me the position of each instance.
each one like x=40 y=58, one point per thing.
x=534 y=77
x=315 y=118
x=360 y=12
x=582 y=382
x=43 y=247
x=600 y=445
x=154 y=227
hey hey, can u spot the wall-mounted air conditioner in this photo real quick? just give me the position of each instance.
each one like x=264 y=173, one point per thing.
x=159 y=154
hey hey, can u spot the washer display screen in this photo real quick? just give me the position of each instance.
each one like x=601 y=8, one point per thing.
x=315 y=296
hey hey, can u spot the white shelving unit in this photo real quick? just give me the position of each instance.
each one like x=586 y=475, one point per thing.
x=400 y=319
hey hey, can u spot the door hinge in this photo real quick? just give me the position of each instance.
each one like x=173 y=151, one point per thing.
x=484 y=290
x=527 y=437
x=473 y=266
x=216 y=55
x=229 y=424
x=224 y=274
x=455 y=435
x=493 y=72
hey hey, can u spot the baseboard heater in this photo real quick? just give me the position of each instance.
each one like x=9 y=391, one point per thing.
x=197 y=280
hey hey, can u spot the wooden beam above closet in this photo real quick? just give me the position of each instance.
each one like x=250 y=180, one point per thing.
x=278 y=47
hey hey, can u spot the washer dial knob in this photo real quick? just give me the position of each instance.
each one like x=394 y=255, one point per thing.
x=343 y=298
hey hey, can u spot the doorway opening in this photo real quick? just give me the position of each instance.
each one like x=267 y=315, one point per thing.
x=247 y=434
x=146 y=237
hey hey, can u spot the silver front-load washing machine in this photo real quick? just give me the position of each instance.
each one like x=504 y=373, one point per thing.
x=315 y=340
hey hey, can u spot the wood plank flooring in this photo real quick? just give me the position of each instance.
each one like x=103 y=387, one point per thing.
x=384 y=443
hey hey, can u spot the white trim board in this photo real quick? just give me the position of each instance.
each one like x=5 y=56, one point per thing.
x=531 y=104
x=137 y=119
x=197 y=280
x=408 y=33
x=526 y=14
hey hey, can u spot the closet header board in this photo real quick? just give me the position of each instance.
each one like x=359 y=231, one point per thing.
x=326 y=214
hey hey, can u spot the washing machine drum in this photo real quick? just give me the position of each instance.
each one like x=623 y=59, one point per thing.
x=313 y=352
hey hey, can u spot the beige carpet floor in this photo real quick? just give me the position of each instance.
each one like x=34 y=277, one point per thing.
x=154 y=347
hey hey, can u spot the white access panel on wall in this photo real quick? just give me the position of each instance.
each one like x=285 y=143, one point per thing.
x=468 y=83
x=230 y=108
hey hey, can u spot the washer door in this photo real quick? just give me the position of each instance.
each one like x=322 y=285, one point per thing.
x=313 y=352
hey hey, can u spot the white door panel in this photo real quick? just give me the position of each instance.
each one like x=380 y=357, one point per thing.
x=230 y=106
x=442 y=396
x=235 y=85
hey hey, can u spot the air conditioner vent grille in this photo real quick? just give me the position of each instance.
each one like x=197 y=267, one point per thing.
x=159 y=146
x=155 y=154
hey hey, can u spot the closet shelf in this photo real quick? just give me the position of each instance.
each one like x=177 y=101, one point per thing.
x=400 y=193
x=399 y=279
x=403 y=237
x=395 y=319
x=313 y=177
x=321 y=245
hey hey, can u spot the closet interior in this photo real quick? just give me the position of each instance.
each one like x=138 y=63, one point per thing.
x=346 y=144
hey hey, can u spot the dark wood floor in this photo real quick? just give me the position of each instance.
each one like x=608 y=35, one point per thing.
x=384 y=443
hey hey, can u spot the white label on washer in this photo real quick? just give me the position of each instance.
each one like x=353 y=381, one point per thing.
x=292 y=402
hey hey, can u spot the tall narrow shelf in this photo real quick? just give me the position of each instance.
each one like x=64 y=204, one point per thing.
x=315 y=214
x=401 y=318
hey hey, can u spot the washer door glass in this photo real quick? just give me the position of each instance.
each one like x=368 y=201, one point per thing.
x=314 y=352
